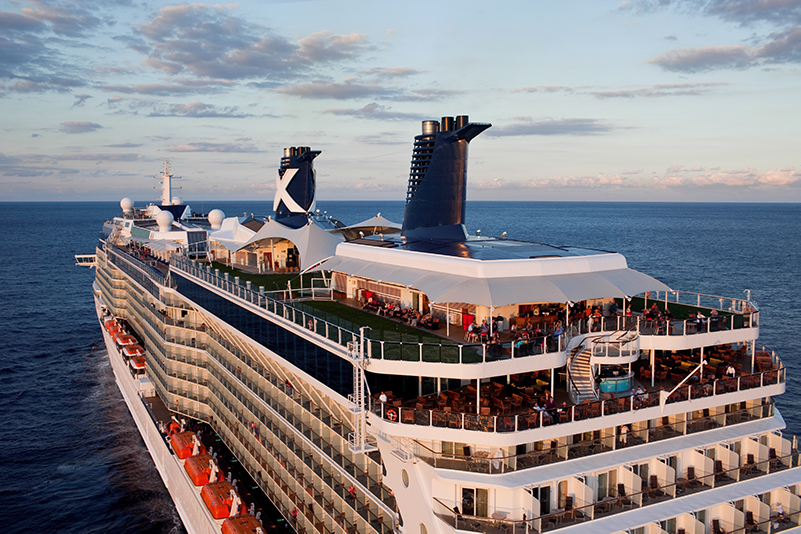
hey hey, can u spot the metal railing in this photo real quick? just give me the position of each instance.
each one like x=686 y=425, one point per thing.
x=616 y=502
x=313 y=320
x=484 y=461
x=342 y=331
x=577 y=412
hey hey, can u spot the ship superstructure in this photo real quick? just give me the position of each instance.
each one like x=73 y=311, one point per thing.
x=420 y=379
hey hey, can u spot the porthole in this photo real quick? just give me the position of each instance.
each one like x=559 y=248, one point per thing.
x=423 y=529
x=405 y=478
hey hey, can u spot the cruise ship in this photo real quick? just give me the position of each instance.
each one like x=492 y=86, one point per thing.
x=382 y=377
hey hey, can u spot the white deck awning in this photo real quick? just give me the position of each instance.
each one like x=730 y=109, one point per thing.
x=495 y=282
x=313 y=243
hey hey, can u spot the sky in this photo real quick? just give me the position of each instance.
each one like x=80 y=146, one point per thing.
x=643 y=100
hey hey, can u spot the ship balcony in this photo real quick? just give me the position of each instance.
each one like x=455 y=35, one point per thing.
x=656 y=496
x=336 y=328
x=507 y=408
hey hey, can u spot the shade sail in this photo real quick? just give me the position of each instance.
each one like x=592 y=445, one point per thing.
x=313 y=243
x=484 y=283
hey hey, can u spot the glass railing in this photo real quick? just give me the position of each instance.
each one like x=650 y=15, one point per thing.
x=618 y=501
x=344 y=333
x=573 y=413
x=498 y=462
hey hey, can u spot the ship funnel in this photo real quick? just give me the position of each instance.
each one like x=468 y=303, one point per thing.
x=437 y=190
x=295 y=186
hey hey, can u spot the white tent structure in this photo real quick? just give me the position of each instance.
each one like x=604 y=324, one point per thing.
x=313 y=243
x=232 y=235
x=374 y=225
x=495 y=283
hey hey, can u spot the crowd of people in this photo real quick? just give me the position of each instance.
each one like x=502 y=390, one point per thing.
x=398 y=312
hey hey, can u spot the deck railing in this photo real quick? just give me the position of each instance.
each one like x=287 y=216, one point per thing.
x=577 y=412
x=342 y=332
x=346 y=332
x=616 y=502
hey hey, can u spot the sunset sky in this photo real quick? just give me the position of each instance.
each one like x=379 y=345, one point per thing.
x=589 y=100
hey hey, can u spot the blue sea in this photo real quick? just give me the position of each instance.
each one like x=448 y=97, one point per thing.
x=72 y=459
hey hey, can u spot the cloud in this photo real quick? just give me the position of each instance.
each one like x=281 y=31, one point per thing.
x=72 y=127
x=80 y=100
x=209 y=42
x=179 y=88
x=98 y=157
x=638 y=170
x=428 y=95
x=393 y=72
x=544 y=89
x=704 y=59
x=661 y=90
x=346 y=90
x=581 y=182
x=33 y=47
x=197 y=110
x=375 y=111
x=552 y=127
x=124 y=145
x=677 y=176
x=781 y=46
x=213 y=147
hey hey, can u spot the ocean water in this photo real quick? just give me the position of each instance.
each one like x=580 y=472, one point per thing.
x=72 y=459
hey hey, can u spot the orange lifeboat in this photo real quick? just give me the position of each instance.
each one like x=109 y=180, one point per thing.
x=199 y=468
x=183 y=443
x=111 y=326
x=243 y=524
x=138 y=363
x=125 y=339
x=133 y=350
x=217 y=497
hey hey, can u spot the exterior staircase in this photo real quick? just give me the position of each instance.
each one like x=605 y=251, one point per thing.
x=582 y=381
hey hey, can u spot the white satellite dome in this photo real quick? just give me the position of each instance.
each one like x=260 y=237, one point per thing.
x=126 y=204
x=176 y=201
x=164 y=220
x=216 y=217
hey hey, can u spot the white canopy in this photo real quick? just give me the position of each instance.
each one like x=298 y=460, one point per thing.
x=313 y=243
x=232 y=235
x=375 y=225
x=495 y=282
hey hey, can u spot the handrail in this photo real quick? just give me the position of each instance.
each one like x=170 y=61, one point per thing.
x=578 y=349
x=421 y=351
x=563 y=452
x=636 y=499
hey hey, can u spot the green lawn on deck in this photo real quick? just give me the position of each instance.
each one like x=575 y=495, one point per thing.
x=405 y=339
x=271 y=282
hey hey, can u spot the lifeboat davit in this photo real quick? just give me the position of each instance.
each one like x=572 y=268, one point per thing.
x=217 y=497
x=185 y=443
x=242 y=524
x=137 y=363
x=133 y=350
x=199 y=468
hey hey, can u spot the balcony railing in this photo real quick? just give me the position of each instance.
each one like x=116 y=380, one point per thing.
x=619 y=501
x=342 y=332
x=345 y=332
x=577 y=412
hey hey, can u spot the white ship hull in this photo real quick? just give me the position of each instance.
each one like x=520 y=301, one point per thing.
x=194 y=514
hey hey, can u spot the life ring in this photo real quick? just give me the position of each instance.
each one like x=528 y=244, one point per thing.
x=392 y=415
